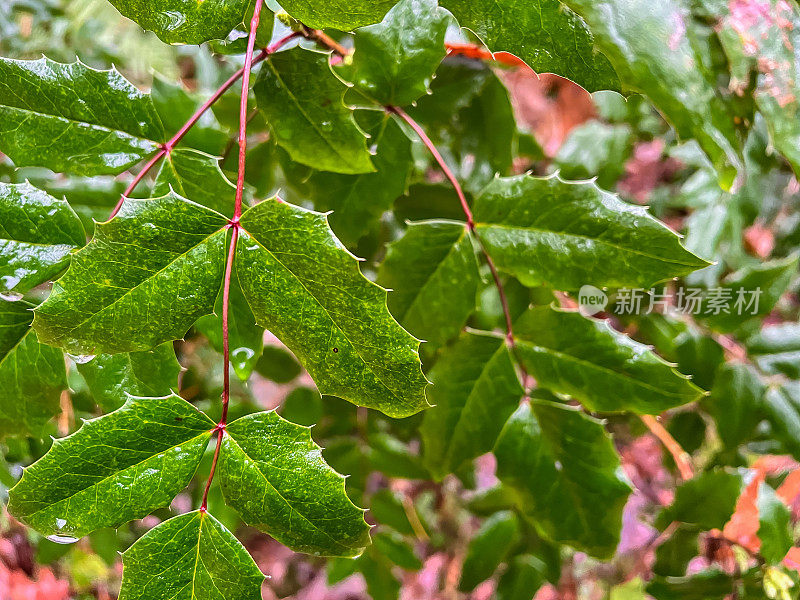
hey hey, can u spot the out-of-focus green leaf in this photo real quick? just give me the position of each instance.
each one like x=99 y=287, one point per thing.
x=707 y=501
x=782 y=409
x=775 y=525
x=490 y=546
x=595 y=149
x=736 y=402
x=776 y=349
x=394 y=547
x=525 y=575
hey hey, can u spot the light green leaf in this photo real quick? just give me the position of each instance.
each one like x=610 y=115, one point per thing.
x=111 y=378
x=190 y=557
x=775 y=525
x=490 y=546
x=186 y=21
x=272 y=472
x=114 y=469
x=433 y=274
x=144 y=279
x=37 y=235
x=546 y=35
x=71 y=118
x=394 y=61
x=776 y=349
x=303 y=103
x=32 y=375
x=782 y=408
x=595 y=149
x=339 y=14
x=475 y=389
x=650 y=49
x=566 y=473
x=304 y=287
x=566 y=235
x=197 y=177
x=604 y=369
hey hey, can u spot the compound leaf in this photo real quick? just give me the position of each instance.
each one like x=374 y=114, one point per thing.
x=566 y=473
x=71 y=118
x=273 y=473
x=433 y=273
x=37 y=235
x=604 y=369
x=189 y=557
x=160 y=264
x=475 y=389
x=566 y=235
x=115 y=468
x=303 y=102
x=32 y=375
x=304 y=287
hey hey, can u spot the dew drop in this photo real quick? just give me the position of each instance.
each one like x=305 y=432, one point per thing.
x=62 y=539
x=335 y=349
x=11 y=296
x=81 y=359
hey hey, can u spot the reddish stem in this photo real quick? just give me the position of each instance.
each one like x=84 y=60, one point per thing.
x=234 y=225
x=167 y=147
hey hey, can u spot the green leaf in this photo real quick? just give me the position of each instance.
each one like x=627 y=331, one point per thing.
x=706 y=585
x=652 y=52
x=433 y=274
x=304 y=287
x=776 y=349
x=556 y=448
x=37 y=235
x=595 y=149
x=474 y=390
x=707 y=501
x=546 y=35
x=775 y=525
x=358 y=201
x=32 y=375
x=303 y=102
x=114 y=469
x=604 y=369
x=490 y=546
x=246 y=339
x=736 y=402
x=144 y=279
x=272 y=472
x=71 y=118
x=112 y=378
x=394 y=61
x=566 y=235
x=782 y=408
x=673 y=556
x=525 y=575
x=197 y=177
x=185 y=21
x=339 y=14
x=395 y=549
x=190 y=557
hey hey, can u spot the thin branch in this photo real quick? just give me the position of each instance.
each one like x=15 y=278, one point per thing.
x=324 y=39
x=679 y=455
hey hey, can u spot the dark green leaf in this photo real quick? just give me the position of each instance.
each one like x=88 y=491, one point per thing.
x=339 y=14
x=114 y=469
x=554 y=448
x=387 y=509
x=393 y=458
x=73 y=118
x=197 y=177
x=673 y=556
x=278 y=364
x=475 y=389
x=490 y=546
x=546 y=35
x=775 y=525
x=186 y=21
x=302 y=101
x=272 y=472
x=190 y=557
x=706 y=585
x=604 y=369
x=397 y=550
x=776 y=349
x=595 y=149
x=707 y=501
x=37 y=235
x=433 y=274
x=304 y=287
x=111 y=378
x=566 y=235
x=144 y=279
x=524 y=576
x=32 y=375
x=736 y=402
x=394 y=61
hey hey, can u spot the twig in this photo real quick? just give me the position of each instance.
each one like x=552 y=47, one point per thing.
x=679 y=455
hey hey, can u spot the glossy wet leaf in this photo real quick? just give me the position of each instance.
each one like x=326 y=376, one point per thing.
x=197 y=177
x=114 y=469
x=490 y=546
x=111 y=378
x=549 y=37
x=272 y=472
x=160 y=262
x=71 y=118
x=475 y=389
x=604 y=369
x=304 y=287
x=185 y=21
x=394 y=60
x=37 y=234
x=32 y=375
x=433 y=274
x=339 y=14
x=566 y=235
x=302 y=101
x=566 y=473
x=189 y=557
x=651 y=48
